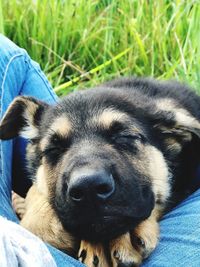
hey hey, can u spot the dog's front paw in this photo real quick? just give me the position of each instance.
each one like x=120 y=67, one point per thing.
x=130 y=249
x=123 y=254
x=18 y=204
x=92 y=255
x=145 y=237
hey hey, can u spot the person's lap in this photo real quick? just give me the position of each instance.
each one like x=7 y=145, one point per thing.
x=19 y=75
x=180 y=236
x=180 y=229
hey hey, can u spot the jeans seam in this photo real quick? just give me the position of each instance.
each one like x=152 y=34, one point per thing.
x=4 y=76
x=2 y=94
x=39 y=72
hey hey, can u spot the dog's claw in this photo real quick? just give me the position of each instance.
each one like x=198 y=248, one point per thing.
x=123 y=254
x=145 y=237
x=96 y=261
x=82 y=255
x=138 y=241
x=92 y=255
x=116 y=255
x=140 y=246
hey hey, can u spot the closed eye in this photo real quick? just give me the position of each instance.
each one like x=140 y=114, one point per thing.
x=128 y=138
x=124 y=135
x=57 y=145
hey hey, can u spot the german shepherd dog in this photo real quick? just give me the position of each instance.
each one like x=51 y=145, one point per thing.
x=106 y=163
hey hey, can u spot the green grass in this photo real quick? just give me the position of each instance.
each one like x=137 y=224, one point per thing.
x=70 y=38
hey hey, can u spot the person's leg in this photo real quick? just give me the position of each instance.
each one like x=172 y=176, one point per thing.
x=180 y=236
x=10 y=84
x=19 y=75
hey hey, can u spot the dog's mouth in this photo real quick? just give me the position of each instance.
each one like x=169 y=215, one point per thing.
x=102 y=228
x=99 y=222
x=102 y=223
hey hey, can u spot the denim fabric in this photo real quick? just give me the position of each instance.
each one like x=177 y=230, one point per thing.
x=180 y=236
x=19 y=75
x=180 y=229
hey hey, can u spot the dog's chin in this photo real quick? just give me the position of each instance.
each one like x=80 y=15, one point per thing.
x=102 y=229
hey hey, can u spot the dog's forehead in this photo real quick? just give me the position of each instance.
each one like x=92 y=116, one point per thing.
x=66 y=122
x=88 y=111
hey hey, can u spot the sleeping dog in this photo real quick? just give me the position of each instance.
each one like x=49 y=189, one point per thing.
x=106 y=163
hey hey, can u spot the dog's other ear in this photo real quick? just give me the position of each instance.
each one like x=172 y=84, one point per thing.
x=22 y=118
x=176 y=122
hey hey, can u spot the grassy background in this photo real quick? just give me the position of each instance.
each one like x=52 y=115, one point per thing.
x=69 y=38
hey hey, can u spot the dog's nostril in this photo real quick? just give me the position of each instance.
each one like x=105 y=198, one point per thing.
x=76 y=194
x=104 y=190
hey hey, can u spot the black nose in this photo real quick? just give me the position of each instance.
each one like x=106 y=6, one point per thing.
x=98 y=185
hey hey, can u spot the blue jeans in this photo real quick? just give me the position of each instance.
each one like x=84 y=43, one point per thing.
x=180 y=229
x=19 y=75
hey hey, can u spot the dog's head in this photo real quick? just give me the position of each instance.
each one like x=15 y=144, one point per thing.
x=101 y=156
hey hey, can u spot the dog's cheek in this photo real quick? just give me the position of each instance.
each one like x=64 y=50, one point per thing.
x=159 y=174
x=42 y=180
x=33 y=158
x=153 y=170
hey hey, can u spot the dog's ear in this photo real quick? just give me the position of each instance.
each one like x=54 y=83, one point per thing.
x=22 y=118
x=176 y=124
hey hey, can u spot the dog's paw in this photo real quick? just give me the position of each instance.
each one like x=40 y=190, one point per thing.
x=145 y=237
x=92 y=255
x=18 y=204
x=123 y=254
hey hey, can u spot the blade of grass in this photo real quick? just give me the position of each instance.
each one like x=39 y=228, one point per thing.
x=1 y=19
x=93 y=71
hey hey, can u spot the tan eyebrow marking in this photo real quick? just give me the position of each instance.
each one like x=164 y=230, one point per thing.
x=61 y=126
x=107 y=117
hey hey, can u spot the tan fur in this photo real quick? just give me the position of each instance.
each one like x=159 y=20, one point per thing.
x=106 y=118
x=30 y=110
x=128 y=250
x=41 y=220
x=148 y=232
x=41 y=180
x=160 y=174
x=46 y=178
x=61 y=126
x=30 y=131
x=92 y=251
x=122 y=250
x=43 y=143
